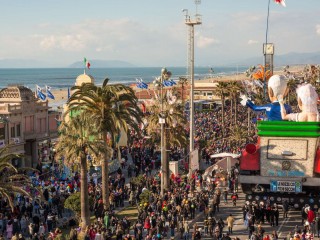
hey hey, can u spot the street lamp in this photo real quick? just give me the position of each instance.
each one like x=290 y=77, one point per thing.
x=165 y=75
x=191 y=23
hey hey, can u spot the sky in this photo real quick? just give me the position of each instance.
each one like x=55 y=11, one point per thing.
x=152 y=32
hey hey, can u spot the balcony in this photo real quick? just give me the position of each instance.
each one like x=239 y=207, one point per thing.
x=9 y=108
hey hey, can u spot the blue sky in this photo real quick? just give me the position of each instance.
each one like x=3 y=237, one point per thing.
x=152 y=32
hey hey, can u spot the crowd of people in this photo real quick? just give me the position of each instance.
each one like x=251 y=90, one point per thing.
x=209 y=125
x=159 y=216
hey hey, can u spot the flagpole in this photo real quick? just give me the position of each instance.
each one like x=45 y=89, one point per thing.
x=265 y=56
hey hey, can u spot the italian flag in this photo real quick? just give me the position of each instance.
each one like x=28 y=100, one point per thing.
x=282 y=2
x=86 y=63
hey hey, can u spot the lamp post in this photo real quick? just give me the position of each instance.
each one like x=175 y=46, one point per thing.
x=165 y=75
x=191 y=23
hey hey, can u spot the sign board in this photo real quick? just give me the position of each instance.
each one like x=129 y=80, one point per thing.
x=285 y=186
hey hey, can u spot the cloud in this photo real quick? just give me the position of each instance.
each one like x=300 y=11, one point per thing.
x=203 y=42
x=250 y=42
x=64 y=42
x=318 y=29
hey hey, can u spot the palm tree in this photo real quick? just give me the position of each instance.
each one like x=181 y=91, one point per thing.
x=222 y=91
x=115 y=107
x=234 y=90
x=239 y=135
x=78 y=138
x=174 y=120
x=11 y=181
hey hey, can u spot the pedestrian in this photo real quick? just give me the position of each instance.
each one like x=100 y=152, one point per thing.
x=206 y=226
x=260 y=231
x=186 y=230
x=225 y=196
x=230 y=221
x=285 y=207
x=317 y=226
x=276 y=214
x=234 y=198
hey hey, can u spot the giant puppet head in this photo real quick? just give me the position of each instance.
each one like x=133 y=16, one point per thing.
x=307 y=98
x=277 y=86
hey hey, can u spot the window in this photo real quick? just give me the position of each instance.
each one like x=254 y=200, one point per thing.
x=13 y=133
x=18 y=130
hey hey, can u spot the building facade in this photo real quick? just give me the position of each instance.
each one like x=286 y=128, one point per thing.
x=27 y=126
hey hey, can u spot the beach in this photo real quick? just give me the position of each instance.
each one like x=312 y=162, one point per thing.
x=61 y=94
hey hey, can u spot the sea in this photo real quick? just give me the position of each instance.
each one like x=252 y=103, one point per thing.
x=62 y=78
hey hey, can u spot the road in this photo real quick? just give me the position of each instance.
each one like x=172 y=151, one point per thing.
x=239 y=230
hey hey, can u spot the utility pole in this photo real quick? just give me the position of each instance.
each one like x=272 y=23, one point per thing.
x=191 y=23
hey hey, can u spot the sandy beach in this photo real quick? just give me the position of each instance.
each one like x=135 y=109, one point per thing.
x=61 y=95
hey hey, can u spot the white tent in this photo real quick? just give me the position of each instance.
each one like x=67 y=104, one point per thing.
x=226 y=156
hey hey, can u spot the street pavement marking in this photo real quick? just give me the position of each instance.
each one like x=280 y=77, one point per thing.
x=284 y=221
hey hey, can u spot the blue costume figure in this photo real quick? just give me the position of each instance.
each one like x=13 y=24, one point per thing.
x=277 y=86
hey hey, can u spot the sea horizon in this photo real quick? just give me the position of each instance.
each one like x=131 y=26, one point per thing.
x=62 y=78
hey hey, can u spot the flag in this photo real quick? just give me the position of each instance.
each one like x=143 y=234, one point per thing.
x=141 y=84
x=49 y=93
x=40 y=94
x=173 y=82
x=86 y=63
x=168 y=83
x=144 y=85
x=282 y=2
x=68 y=93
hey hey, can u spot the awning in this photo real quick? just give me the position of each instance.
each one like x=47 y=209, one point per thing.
x=222 y=155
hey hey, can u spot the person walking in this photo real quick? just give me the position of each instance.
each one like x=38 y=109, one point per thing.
x=285 y=207
x=234 y=198
x=225 y=195
x=230 y=221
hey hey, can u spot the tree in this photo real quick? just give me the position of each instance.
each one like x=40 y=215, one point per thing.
x=78 y=138
x=222 y=91
x=174 y=120
x=11 y=180
x=234 y=90
x=73 y=202
x=115 y=107
x=239 y=135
